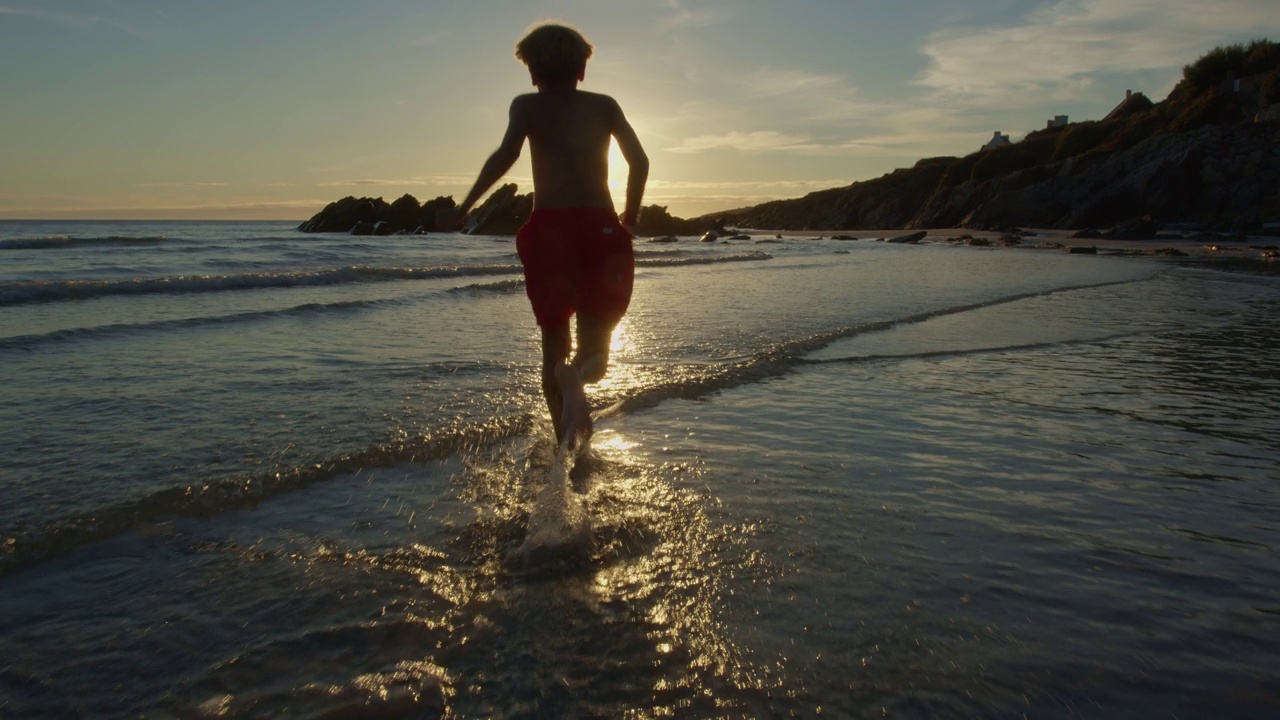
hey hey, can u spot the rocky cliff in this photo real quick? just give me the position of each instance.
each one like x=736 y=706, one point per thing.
x=1217 y=176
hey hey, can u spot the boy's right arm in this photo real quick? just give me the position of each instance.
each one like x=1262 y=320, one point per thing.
x=637 y=165
x=494 y=168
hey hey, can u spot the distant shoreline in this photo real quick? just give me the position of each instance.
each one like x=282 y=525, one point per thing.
x=1252 y=247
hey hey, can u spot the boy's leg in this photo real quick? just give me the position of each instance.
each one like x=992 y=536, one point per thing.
x=555 y=351
x=594 y=338
x=588 y=366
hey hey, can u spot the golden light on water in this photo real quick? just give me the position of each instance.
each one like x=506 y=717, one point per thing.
x=620 y=375
x=612 y=443
x=621 y=341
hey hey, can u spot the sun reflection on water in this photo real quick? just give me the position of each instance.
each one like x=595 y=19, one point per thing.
x=621 y=374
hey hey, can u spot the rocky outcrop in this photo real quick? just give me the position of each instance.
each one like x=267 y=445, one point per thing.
x=375 y=216
x=655 y=221
x=502 y=213
x=911 y=239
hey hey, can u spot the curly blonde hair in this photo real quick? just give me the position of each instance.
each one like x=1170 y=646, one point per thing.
x=554 y=52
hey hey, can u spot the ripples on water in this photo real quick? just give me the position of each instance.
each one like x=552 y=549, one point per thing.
x=937 y=482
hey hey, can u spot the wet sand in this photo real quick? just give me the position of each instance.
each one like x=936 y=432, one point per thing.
x=1207 y=245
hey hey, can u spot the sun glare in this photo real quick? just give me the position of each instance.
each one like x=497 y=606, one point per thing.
x=617 y=169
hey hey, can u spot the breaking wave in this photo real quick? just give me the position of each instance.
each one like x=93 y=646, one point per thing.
x=42 y=291
x=55 y=242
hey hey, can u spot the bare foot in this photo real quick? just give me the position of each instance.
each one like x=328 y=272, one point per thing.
x=575 y=414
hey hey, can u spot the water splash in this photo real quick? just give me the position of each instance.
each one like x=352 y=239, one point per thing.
x=559 y=527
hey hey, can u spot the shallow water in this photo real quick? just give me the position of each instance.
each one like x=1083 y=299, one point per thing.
x=846 y=477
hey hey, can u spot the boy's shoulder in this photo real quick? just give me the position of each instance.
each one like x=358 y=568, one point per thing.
x=538 y=97
x=598 y=97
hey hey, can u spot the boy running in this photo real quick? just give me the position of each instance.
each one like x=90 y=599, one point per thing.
x=576 y=254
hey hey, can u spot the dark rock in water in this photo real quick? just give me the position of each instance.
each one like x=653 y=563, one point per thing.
x=1166 y=252
x=979 y=242
x=344 y=214
x=1139 y=228
x=1010 y=240
x=909 y=239
x=502 y=213
x=739 y=236
x=362 y=228
x=655 y=220
x=382 y=227
x=1083 y=250
x=403 y=215
x=1088 y=234
x=841 y=237
x=769 y=241
x=709 y=236
x=664 y=239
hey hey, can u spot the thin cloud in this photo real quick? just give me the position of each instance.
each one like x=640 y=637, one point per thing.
x=686 y=185
x=388 y=182
x=1066 y=44
x=77 y=21
x=181 y=184
x=431 y=39
x=772 y=82
x=758 y=141
x=720 y=200
x=432 y=181
x=682 y=18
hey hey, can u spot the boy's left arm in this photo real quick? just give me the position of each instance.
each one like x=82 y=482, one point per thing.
x=494 y=168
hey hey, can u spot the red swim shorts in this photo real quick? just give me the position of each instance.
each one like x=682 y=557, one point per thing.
x=576 y=260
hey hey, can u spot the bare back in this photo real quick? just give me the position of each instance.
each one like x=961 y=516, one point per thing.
x=568 y=132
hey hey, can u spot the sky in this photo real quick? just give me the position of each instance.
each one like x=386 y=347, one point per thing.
x=270 y=109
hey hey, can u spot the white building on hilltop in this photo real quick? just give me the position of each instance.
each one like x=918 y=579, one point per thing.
x=998 y=139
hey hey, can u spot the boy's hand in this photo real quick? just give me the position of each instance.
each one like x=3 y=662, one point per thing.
x=450 y=219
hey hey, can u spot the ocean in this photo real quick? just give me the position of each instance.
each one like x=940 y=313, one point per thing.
x=249 y=472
